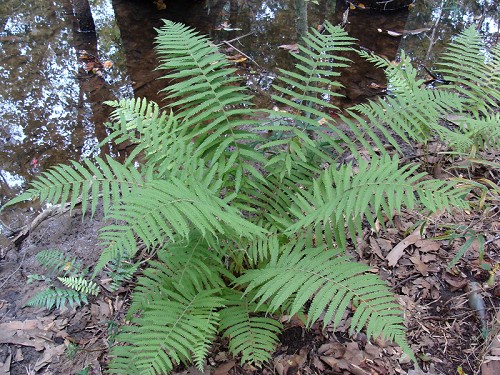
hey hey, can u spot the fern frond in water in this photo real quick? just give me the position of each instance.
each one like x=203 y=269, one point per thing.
x=331 y=282
x=57 y=297
x=80 y=284
x=471 y=72
x=251 y=334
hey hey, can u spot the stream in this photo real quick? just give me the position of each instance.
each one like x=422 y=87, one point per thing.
x=56 y=77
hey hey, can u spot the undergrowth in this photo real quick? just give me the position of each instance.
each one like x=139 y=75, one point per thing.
x=249 y=215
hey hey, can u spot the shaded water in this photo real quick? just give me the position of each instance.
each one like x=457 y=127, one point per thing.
x=54 y=76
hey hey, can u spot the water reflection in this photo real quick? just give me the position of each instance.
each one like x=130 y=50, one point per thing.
x=51 y=107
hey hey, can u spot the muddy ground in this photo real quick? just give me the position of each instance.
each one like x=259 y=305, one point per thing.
x=444 y=329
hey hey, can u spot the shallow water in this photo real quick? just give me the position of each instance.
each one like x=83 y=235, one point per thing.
x=52 y=93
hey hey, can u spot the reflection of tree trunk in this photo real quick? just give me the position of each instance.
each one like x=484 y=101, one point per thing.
x=381 y=4
x=301 y=20
x=93 y=85
x=83 y=15
x=433 y=35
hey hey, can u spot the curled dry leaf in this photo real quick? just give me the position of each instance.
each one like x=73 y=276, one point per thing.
x=397 y=252
x=293 y=48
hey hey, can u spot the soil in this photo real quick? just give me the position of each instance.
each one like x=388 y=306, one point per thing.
x=443 y=328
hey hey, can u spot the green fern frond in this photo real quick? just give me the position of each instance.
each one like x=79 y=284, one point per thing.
x=118 y=241
x=410 y=116
x=251 y=334
x=466 y=65
x=80 y=284
x=84 y=182
x=331 y=282
x=481 y=133
x=192 y=264
x=308 y=90
x=58 y=298
x=344 y=197
x=170 y=209
x=174 y=323
x=213 y=108
x=57 y=262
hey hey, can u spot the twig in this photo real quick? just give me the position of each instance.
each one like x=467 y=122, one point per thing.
x=13 y=273
x=235 y=39
x=497 y=237
x=244 y=54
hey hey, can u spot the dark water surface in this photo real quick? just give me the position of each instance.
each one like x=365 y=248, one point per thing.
x=55 y=78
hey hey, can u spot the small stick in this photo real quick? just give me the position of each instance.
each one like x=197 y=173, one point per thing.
x=235 y=39
x=244 y=54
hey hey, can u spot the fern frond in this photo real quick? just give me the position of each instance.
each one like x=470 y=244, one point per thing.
x=251 y=334
x=80 y=284
x=170 y=209
x=84 y=182
x=57 y=262
x=466 y=65
x=331 y=282
x=142 y=123
x=480 y=132
x=307 y=91
x=344 y=197
x=192 y=264
x=213 y=108
x=410 y=116
x=57 y=297
x=174 y=323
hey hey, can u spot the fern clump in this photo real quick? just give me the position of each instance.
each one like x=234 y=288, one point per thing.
x=248 y=218
x=69 y=272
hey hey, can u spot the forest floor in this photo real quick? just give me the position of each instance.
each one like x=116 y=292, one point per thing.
x=452 y=314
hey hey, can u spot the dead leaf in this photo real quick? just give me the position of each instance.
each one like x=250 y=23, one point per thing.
x=394 y=33
x=419 y=264
x=5 y=366
x=416 y=31
x=107 y=64
x=293 y=48
x=224 y=368
x=427 y=245
x=50 y=353
x=398 y=251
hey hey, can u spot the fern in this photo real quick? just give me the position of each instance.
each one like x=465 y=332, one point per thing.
x=175 y=321
x=252 y=335
x=331 y=282
x=58 y=298
x=56 y=262
x=81 y=285
x=343 y=198
x=244 y=218
x=83 y=182
x=470 y=72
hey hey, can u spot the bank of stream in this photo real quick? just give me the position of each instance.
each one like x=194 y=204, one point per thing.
x=55 y=80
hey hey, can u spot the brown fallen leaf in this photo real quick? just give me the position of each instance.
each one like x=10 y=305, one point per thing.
x=397 y=252
x=419 y=264
x=51 y=353
x=5 y=366
x=224 y=368
x=293 y=48
x=427 y=245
